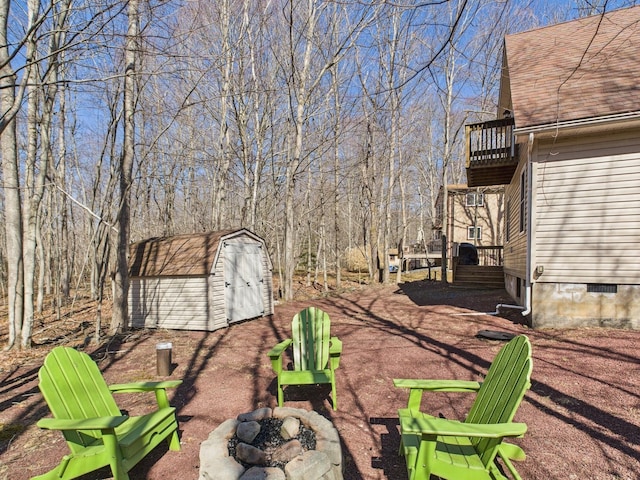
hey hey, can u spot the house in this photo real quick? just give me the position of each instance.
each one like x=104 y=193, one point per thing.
x=200 y=281
x=566 y=145
x=474 y=215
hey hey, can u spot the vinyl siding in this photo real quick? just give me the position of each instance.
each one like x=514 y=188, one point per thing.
x=217 y=316
x=587 y=210
x=489 y=216
x=515 y=249
x=193 y=302
x=169 y=302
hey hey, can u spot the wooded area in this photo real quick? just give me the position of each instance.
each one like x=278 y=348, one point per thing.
x=322 y=126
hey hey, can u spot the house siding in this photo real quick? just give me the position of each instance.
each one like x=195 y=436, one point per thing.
x=488 y=216
x=515 y=248
x=587 y=210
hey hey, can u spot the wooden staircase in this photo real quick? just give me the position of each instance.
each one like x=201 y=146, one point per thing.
x=478 y=276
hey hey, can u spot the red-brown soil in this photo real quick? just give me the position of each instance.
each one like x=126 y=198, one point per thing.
x=583 y=409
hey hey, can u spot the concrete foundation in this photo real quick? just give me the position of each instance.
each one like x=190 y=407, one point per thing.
x=558 y=305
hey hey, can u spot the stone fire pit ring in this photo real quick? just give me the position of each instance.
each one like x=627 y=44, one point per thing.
x=323 y=463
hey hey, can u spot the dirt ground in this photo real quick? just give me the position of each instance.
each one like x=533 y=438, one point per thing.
x=583 y=410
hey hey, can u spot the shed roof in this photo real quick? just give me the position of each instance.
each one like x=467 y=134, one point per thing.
x=576 y=70
x=180 y=255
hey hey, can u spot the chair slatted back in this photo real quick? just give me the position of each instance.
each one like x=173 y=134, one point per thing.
x=310 y=339
x=504 y=387
x=73 y=387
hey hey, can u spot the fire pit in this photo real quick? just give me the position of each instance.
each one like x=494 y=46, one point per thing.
x=279 y=444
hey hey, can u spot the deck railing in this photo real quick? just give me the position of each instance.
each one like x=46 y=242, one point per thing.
x=492 y=140
x=490 y=256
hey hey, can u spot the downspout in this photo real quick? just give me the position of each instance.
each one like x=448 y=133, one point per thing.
x=527 y=288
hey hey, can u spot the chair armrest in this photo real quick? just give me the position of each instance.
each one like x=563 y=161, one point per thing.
x=335 y=350
x=159 y=388
x=279 y=349
x=438 y=385
x=335 y=346
x=98 y=423
x=416 y=387
x=444 y=427
x=143 y=386
x=275 y=354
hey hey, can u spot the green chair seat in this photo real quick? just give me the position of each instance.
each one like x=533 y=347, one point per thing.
x=95 y=430
x=469 y=450
x=316 y=355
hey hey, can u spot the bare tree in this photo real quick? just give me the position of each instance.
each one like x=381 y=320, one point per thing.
x=9 y=105
x=121 y=276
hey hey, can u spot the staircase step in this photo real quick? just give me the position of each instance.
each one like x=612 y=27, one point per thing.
x=479 y=276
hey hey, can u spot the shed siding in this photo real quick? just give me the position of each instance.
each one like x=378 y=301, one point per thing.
x=184 y=299
x=587 y=205
x=168 y=302
x=217 y=317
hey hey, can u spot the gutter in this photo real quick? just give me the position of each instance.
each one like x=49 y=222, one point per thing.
x=581 y=123
x=527 y=288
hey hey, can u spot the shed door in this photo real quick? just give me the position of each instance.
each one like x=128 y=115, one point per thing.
x=243 y=281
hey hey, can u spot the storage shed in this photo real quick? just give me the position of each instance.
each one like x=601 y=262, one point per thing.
x=201 y=281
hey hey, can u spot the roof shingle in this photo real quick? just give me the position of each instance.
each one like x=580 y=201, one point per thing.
x=181 y=255
x=576 y=70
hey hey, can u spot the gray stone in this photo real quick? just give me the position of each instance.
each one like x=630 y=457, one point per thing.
x=337 y=472
x=330 y=475
x=217 y=468
x=287 y=451
x=250 y=454
x=248 y=431
x=256 y=415
x=226 y=429
x=311 y=465
x=332 y=449
x=317 y=422
x=216 y=445
x=284 y=412
x=326 y=431
x=263 y=473
x=290 y=428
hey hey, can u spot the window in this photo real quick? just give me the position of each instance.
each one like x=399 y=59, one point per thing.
x=523 y=197
x=474 y=233
x=475 y=199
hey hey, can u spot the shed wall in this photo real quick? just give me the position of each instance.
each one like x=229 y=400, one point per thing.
x=193 y=302
x=218 y=287
x=169 y=302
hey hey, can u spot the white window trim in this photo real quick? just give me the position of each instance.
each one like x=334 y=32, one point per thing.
x=473 y=230
x=474 y=199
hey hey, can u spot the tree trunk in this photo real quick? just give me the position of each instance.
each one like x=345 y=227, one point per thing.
x=121 y=277
x=10 y=177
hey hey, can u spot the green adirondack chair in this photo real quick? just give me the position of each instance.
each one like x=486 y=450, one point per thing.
x=468 y=450
x=97 y=433
x=316 y=355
